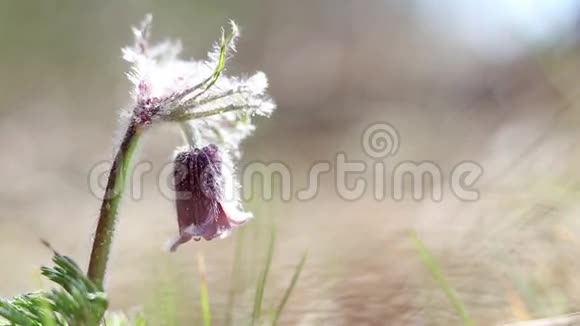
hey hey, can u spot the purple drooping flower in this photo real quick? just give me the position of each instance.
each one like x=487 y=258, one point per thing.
x=202 y=209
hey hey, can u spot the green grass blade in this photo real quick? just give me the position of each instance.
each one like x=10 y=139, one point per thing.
x=204 y=293
x=440 y=279
x=236 y=273
x=256 y=314
x=289 y=290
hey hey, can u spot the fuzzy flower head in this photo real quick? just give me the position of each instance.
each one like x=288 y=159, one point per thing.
x=218 y=107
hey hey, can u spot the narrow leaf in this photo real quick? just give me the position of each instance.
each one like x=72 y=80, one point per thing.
x=441 y=281
x=262 y=282
x=289 y=290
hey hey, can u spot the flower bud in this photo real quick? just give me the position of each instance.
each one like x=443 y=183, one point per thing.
x=200 y=203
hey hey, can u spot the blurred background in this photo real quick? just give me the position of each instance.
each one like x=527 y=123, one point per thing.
x=493 y=82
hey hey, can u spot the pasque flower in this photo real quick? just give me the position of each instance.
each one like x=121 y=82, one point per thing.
x=214 y=111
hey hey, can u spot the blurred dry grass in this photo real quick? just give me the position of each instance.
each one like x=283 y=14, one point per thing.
x=334 y=68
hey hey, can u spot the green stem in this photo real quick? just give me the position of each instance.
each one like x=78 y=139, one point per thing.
x=189 y=134
x=112 y=198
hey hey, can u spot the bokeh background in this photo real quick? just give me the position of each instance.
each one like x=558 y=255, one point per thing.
x=494 y=82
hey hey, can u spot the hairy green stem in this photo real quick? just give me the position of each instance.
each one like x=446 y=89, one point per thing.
x=112 y=198
x=189 y=135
